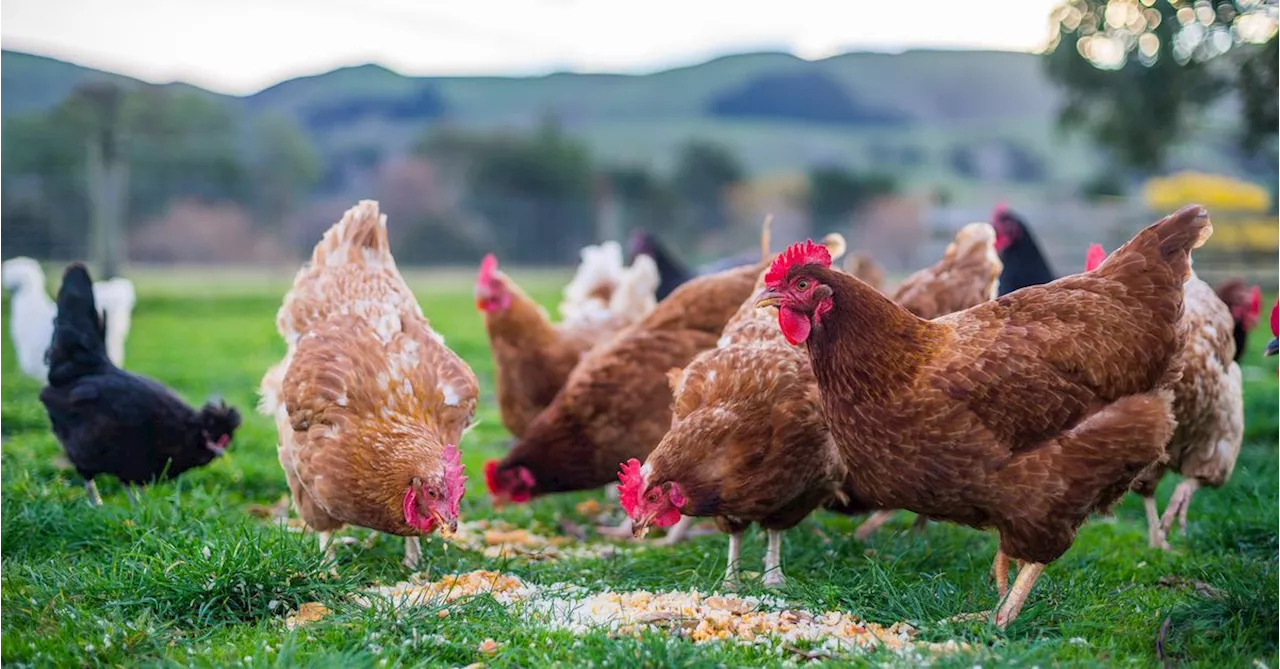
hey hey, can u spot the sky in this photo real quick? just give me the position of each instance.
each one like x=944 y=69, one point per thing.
x=242 y=46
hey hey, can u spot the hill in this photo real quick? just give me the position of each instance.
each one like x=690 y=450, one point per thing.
x=953 y=118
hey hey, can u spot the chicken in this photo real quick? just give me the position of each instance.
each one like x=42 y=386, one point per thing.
x=1024 y=414
x=1024 y=264
x=598 y=275
x=967 y=275
x=1208 y=404
x=533 y=357
x=744 y=446
x=616 y=403
x=32 y=313
x=369 y=403
x=112 y=422
x=1245 y=303
x=866 y=268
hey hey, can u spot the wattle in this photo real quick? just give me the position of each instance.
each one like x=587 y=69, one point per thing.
x=795 y=326
x=668 y=518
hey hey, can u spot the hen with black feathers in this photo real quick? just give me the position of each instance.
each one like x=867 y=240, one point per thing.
x=110 y=421
x=1024 y=264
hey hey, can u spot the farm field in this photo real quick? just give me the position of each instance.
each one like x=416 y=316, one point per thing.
x=193 y=575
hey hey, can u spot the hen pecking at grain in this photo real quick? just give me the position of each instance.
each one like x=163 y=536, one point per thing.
x=747 y=441
x=1024 y=414
x=369 y=403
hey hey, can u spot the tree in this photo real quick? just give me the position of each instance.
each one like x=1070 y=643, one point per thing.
x=535 y=189
x=283 y=166
x=1137 y=73
x=835 y=193
x=703 y=174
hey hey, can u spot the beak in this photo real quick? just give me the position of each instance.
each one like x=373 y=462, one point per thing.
x=768 y=298
x=447 y=527
x=639 y=528
x=1273 y=347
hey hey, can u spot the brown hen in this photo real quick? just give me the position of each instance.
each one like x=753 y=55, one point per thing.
x=1208 y=399
x=369 y=403
x=967 y=275
x=532 y=357
x=1024 y=414
x=616 y=403
x=747 y=442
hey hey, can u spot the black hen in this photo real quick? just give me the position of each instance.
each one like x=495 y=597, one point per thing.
x=1024 y=265
x=672 y=272
x=110 y=421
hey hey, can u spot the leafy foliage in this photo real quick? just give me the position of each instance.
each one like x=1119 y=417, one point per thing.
x=1139 y=74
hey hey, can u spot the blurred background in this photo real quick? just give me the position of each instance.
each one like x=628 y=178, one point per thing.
x=154 y=136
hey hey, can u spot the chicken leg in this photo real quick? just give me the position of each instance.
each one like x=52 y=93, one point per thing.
x=1178 y=505
x=773 y=577
x=731 y=571
x=326 y=545
x=1012 y=604
x=1000 y=572
x=95 y=500
x=412 y=552
x=1155 y=534
x=870 y=525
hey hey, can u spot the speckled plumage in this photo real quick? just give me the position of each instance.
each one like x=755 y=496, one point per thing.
x=368 y=395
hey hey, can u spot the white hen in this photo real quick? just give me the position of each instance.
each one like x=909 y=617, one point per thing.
x=32 y=313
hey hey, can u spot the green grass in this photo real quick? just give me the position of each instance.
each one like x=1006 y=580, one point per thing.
x=136 y=586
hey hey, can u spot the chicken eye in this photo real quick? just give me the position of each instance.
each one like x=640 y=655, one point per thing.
x=803 y=284
x=432 y=493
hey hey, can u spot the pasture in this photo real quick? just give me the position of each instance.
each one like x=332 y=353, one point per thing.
x=191 y=577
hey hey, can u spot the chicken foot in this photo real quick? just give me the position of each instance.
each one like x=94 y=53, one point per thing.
x=773 y=576
x=412 y=552
x=1011 y=605
x=330 y=555
x=731 y=571
x=1178 y=505
x=1155 y=533
x=95 y=500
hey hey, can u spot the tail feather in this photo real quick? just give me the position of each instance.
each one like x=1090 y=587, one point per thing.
x=79 y=334
x=1163 y=247
x=836 y=245
x=766 y=237
x=362 y=228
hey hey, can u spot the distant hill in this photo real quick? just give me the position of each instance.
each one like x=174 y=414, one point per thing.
x=954 y=117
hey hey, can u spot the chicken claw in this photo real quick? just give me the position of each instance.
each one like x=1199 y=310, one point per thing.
x=1178 y=505
x=1012 y=605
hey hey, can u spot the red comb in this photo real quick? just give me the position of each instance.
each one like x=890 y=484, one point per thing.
x=1255 y=303
x=1000 y=210
x=1274 y=325
x=1094 y=258
x=804 y=253
x=487 y=267
x=630 y=481
x=491 y=476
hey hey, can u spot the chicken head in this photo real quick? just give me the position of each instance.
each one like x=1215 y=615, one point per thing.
x=434 y=505
x=801 y=299
x=491 y=288
x=647 y=505
x=510 y=484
